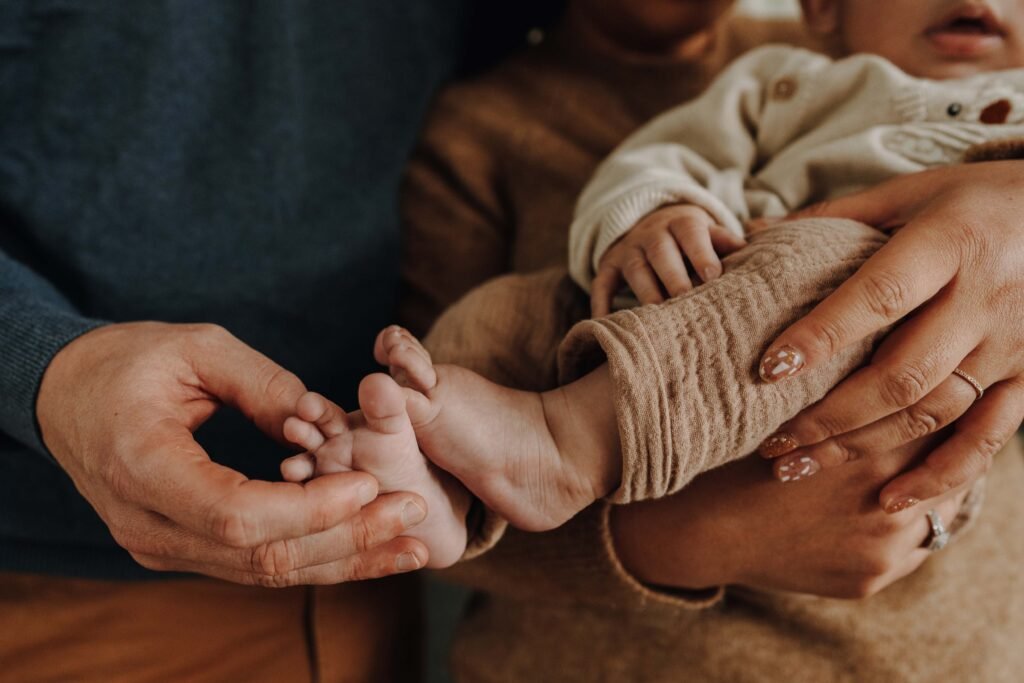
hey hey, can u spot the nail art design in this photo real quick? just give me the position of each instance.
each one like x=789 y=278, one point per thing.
x=797 y=469
x=900 y=504
x=778 y=444
x=783 y=362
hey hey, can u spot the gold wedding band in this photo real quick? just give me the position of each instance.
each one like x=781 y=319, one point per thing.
x=970 y=380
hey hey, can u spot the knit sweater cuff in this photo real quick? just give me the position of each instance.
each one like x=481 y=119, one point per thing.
x=577 y=562
x=31 y=334
x=684 y=374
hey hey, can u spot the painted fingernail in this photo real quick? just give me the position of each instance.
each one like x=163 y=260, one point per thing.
x=367 y=492
x=406 y=562
x=780 y=363
x=797 y=469
x=778 y=444
x=412 y=514
x=900 y=504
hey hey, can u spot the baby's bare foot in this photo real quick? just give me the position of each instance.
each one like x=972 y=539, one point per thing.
x=504 y=445
x=379 y=439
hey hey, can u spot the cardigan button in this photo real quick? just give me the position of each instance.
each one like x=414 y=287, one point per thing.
x=784 y=89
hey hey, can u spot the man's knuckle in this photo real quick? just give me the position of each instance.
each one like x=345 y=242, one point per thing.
x=232 y=527
x=273 y=559
x=363 y=533
x=128 y=539
x=274 y=580
x=887 y=294
x=151 y=562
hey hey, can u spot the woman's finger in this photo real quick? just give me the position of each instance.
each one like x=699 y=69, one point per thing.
x=940 y=408
x=885 y=289
x=915 y=359
x=980 y=434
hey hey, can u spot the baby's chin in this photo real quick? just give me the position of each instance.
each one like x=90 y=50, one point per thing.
x=944 y=69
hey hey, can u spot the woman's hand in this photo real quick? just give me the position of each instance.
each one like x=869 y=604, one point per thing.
x=957 y=264
x=734 y=525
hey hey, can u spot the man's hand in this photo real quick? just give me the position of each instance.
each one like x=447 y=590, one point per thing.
x=117 y=408
x=957 y=264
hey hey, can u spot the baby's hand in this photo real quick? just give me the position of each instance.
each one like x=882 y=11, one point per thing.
x=650 y=256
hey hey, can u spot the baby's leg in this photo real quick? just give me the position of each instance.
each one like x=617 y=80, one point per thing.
x=379 y=439
x=535 y=458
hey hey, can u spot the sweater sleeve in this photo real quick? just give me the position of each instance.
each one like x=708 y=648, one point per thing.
x=36 y=321
x=699 y=153
x=451 y=213
x=685 y=382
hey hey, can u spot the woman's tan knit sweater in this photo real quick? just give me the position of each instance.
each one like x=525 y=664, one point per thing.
x=490 y=191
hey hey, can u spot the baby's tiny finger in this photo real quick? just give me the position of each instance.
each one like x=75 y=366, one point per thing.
x=667 y=261
x=602 y=289
x=642 y=281
x=725 y=241
x=298 y=468
x=696 y=244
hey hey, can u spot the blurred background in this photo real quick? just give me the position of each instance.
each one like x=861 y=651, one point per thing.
x=770 y=7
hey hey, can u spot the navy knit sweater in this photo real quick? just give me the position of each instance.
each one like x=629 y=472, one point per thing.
x=233 y=162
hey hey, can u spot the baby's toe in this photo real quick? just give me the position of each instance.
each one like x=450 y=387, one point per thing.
x=328 y=416
x=383 y=404
x=298 y=468
x=410 y=368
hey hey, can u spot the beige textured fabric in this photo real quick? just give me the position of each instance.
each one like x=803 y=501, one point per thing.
x=958 y=618
x=687 y=394
x=783 y=127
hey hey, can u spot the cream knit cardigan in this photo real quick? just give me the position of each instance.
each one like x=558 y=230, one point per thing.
x=783 y=127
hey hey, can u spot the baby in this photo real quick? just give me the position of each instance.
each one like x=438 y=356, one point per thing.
x=780 y=128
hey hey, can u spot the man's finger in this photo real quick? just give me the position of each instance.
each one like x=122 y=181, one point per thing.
x=177 y=479
x=234 y=373
x=400 y=555
x=980 y=434
x=378 y=523
x=877 y=295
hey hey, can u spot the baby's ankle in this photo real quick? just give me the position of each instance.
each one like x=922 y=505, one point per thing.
x=582 y=424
